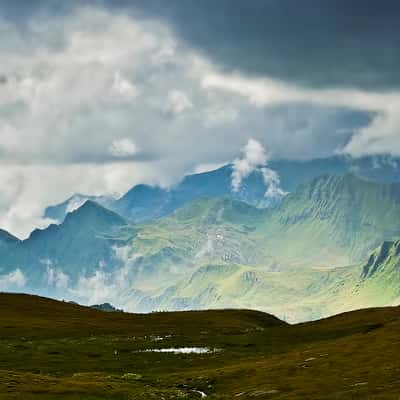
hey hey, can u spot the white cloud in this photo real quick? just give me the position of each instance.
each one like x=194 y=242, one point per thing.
x=12 y=280
x=102 y=287
x=75 y=202
x=84 y=91
x=123 y=148
x=253 y=157
x=273 y=184
x=56 y=278
x=124 y=88
x=177 y=102
x=200 y=168
x=26 y=190
x=381 y=136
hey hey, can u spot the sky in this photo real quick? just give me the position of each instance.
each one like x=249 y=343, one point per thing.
x=96 y=96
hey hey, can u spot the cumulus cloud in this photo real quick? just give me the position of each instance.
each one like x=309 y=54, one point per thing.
x=13 y=280
x=253 y=157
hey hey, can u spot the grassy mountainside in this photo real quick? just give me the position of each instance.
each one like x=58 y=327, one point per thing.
x=293 y=294
x=283 y=293
x=51 y=350
x=334 y=220
x=378 y=283
x=217 y=252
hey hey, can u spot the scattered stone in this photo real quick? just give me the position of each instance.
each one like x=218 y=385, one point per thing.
x=131 y=376
x=258 y=393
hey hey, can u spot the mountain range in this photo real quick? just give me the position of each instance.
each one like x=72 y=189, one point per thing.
x=331 y=244
x=144 y=203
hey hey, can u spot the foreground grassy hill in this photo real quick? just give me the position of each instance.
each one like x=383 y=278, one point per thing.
x=56 y=350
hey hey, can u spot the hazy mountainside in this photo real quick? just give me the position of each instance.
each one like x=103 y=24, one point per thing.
x=8 y=244
x=330 y=222
x=334 y=220
x=81 y=245
x=58 y=212
x=143 y=202
x=293 y=294
x=238 y=286
x=380 y=277
x=220 y=252
x=203 y=231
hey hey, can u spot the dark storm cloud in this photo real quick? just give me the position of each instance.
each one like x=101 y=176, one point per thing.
x=313 y=42
x=320 y=43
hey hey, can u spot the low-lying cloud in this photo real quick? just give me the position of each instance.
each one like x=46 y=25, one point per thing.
x=255 y=158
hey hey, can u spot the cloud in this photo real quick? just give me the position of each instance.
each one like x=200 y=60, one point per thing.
x=123 y=87
x=380 y=136
x=12 y=280
x=123 y=148
x=253 y=157
x=75 y=202
x=334 y=44
x=57 y=279
x=26 y=190
x=177 y=103
x=102 y=287
x=273 y=183
x=95 y=99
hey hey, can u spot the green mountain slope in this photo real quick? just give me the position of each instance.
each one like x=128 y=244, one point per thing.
x=292 y=261
x=379 y=283
x=334 y=220
x=204 y=231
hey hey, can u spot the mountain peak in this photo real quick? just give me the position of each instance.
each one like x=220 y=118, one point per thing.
x=7 y=237
x=92 y=210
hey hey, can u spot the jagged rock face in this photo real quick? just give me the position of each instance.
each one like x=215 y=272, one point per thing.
x=388 y=253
